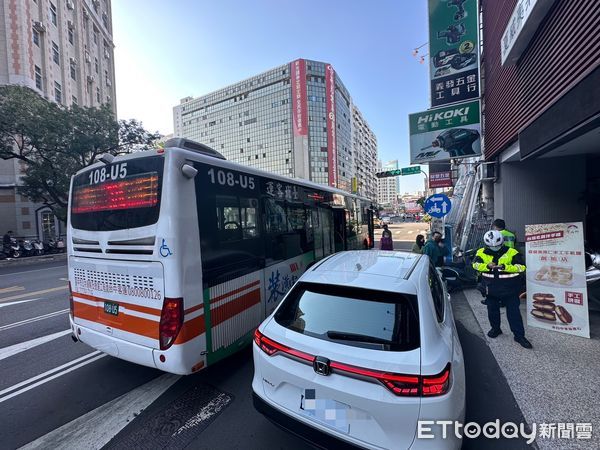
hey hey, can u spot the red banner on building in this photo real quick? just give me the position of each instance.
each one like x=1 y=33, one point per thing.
x=440 y=179
x=331 y=130
x=299 y=100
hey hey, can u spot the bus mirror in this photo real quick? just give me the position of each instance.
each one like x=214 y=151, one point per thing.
x=189 y=171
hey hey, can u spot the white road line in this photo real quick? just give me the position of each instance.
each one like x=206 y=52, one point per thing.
x=29 y=271
x=50 y=374
x=4 y=305
x=33 y=319
x=7 y=352
x=96 y=428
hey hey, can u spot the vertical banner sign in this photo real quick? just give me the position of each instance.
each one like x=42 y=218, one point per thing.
x=453 y=51
x=331 y=130
x=446 y=133
x=556 y=283
x=300 y=109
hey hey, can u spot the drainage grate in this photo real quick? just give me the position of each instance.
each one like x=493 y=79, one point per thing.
x=176 y=425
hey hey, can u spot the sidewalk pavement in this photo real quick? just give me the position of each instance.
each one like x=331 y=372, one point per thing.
x=25 y=261
x=556 y=382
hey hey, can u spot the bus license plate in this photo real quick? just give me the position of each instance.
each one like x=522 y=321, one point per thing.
x=111 y=308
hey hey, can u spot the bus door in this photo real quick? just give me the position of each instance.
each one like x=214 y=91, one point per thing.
x=339 y=229
x=325 y=230
x=371 y=228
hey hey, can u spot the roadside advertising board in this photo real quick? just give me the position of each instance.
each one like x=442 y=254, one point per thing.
x=440 y=179
x=453 y=51
x=556 y=284
x=442 y=134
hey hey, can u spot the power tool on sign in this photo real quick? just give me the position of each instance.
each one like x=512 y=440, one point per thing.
x=456 y=141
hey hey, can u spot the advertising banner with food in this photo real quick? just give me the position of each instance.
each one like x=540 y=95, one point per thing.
x=556 y=284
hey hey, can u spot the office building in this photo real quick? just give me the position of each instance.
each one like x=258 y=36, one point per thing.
x=388 y=188
x=295 y=120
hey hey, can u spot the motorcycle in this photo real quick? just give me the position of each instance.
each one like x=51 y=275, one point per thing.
x=60 y=245
x=55 y=245
x=459 y=274
x=12 y=250
x=27 y=247
x=38 y=247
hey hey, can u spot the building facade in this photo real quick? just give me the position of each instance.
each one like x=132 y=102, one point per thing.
x=62 y=49
x=295 y=120
x=388 y=189
x=542 y=112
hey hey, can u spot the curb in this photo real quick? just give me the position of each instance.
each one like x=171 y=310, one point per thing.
x=32 y=260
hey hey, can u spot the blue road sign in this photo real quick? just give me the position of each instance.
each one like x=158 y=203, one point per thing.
x=438 y=205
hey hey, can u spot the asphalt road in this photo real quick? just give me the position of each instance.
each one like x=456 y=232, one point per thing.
x=55 y=393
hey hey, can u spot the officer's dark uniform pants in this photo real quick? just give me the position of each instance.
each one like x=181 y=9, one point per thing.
x=512 y=313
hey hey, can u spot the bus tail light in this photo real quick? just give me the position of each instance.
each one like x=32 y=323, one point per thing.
x=71 y=306
x=171 y=320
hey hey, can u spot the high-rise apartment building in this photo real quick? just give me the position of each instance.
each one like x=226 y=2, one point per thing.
x=62 y=49
x=296 y=120
x=388 y=188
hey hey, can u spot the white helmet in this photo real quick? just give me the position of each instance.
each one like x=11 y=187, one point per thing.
x=493 y=239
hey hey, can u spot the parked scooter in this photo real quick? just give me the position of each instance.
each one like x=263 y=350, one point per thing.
x=459 y=274
x=12 y=250
x=38 y=247
x=55 y=245
x=27 y=247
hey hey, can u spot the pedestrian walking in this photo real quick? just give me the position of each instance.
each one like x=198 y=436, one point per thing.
x=500 y=268
x=386 y=242
x=419 y=243
x=435 y=249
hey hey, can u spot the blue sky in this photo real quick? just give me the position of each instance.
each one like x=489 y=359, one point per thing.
x=169 y=49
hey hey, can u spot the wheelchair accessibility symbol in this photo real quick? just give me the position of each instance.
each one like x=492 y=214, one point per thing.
x=165 y=250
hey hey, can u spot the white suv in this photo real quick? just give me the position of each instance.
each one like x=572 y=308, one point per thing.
x=362 y=348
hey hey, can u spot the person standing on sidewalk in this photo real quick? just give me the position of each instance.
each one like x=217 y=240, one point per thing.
x=419 y=243
x=500 y=267
x=509 y=237
x=434 y=248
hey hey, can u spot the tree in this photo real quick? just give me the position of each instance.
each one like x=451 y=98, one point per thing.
x=52 y=142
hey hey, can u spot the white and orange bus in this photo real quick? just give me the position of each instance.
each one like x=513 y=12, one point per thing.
x=176 y=255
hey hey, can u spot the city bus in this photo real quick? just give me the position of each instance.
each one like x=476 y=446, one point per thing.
x=175 y=255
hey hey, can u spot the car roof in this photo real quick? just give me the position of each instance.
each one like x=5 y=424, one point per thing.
x=370 y=269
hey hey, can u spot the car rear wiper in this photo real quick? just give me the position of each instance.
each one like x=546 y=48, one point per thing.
x=357 y=337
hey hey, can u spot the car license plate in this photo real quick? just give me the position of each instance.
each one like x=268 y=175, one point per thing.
x=326 y=411
x=111 y=308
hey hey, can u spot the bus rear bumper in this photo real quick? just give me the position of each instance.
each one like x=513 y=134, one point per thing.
x=118 y=348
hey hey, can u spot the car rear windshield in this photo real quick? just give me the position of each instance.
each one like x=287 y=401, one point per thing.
x=352 y=316
x=118 y=196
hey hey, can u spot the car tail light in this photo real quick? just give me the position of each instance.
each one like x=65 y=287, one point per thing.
x=171 y=320
x=71 y=305
x=436 y=384
x=399 y=384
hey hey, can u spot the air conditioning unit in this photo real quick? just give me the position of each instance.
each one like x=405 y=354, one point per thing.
x=70 y=4
x=73 y=61
x=106 y=54
x=70 y=24
x=90 y=79
x=39 y=26
x=108 y=82
x=88 y=58
x=86 y=14
x=487 y=170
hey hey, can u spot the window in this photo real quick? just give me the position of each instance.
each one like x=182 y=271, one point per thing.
x=55 y=53
x=237 y=218
x=437 y=293
x=53 y=18
x=95 y=37
x=74 y=100
x=38 y=78
x=36 y=37
x=105 y=20
x=57 y=92
x=98 y=94
x=352 y=316
x=71 y=35
x=96 y=65
x=73 y=72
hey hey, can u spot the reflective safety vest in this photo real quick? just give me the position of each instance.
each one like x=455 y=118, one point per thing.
x=509 y=238
x=505 y=259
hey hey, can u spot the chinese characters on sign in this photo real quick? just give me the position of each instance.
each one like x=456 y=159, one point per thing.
x=282 y=191
x=299 y=109
x=331 y=129
x=440 y=179
x=556 y=283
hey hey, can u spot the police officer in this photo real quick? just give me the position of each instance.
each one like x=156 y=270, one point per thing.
x=509 y=236
x=500 y=267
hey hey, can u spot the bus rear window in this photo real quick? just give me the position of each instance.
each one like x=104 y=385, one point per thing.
x=118 y=196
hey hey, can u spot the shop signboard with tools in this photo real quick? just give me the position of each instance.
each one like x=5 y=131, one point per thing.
x=446 y=133
x=453 y=51
x=556 y=285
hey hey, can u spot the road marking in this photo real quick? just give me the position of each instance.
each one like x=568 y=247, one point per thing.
x=3 y=305
x=63 y=279
x=29 y=294
x=96 y=428
x=49 y=375
x=12 y=289
x=33 y=319
x=29 y=271
x=7 y=352
x=213 y=407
